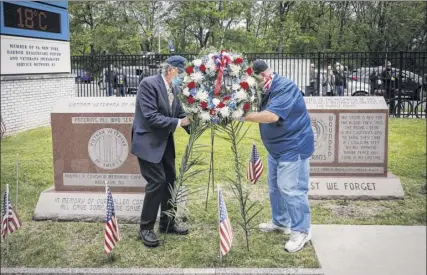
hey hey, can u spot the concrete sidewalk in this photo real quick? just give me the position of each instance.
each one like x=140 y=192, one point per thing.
x=365 y=249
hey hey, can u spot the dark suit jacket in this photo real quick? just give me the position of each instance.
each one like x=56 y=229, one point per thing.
x=154 y=120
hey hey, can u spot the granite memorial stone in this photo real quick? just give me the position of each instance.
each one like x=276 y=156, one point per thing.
x=351 y=141
x=91 y=139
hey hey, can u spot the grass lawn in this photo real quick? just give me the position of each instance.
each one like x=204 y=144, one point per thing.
x=60 y=244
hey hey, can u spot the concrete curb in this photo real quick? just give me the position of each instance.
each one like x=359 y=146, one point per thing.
x=161 y=271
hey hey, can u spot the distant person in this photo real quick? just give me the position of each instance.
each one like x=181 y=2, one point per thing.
x=109 y=76
x=373 y=78
x=120 y=82
x=313 y=80
x=389 y=80
x=339 y=79
x=328 y=82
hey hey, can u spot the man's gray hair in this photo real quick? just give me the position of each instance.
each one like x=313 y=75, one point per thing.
x=164 y=68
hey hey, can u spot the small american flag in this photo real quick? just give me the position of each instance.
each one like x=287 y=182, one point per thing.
x=112 y=234
x=225 y=230
x=10 y=220
x=255 y=166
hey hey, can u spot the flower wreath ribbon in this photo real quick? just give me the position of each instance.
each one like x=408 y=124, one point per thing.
x=222 y=64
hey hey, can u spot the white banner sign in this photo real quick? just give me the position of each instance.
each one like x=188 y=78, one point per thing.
x=22 y=55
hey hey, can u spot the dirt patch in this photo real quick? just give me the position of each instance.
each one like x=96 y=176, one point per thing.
x=355 y=211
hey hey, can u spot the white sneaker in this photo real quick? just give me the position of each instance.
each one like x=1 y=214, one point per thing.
x=270 y=227
x=297 y=241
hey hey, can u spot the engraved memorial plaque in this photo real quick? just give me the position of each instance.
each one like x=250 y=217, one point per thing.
x=91 y=144
x=323 y=125
x=362 y=138
x=350 y=136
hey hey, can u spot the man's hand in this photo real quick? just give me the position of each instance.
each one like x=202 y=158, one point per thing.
x=185 y=121
x=241 y=119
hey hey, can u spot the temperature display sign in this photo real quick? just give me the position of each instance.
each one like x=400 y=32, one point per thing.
x=21 y=17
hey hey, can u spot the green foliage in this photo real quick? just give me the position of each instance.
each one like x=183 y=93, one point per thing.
x=234 y=133
x=263 y=26
x=190 y=161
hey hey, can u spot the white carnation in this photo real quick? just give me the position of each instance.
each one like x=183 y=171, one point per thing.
x=235 y=87
x=194 y=110
x=210 y=66
x=197 y=77
x=225 y=112
x=186 y=92
x=216 y=101
x=235 y=70
x=237 y=114
x=252 y=98
x=241 y=95
x=202 y=96
x=187 y=79
x=197 y=62
x=205 y=116
x=251 y=81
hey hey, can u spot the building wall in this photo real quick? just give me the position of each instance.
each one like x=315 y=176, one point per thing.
x=26 y=101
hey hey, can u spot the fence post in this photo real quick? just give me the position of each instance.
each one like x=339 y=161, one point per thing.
x=318 y=74
x=107 y=79
x=399 y=100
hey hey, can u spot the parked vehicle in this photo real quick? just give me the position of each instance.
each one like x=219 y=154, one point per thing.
x=82 y=76
x=133 y=75
x=411 y=83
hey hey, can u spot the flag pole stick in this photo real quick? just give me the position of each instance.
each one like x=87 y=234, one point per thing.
x=7 y=219
x=219 y=225
x=106 y=204
x=17 y=181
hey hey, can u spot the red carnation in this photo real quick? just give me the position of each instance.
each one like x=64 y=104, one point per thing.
x=191 y=85
x=249 y=71
x=238 y=60
x=212 y=112
x=220 y=105
x=225 y=98
x=204 y=105
x=246 y=106
x=190 y=99
x=202 y=68
x=244 y=85
x=189 y=70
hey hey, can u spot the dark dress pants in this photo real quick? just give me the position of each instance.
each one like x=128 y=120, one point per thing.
x=160 y=177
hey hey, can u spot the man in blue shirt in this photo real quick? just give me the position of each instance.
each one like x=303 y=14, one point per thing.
x=286 y=133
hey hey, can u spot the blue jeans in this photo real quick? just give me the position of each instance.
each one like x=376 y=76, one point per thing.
x=288 y=188
x=110 y=90
x=340 y=90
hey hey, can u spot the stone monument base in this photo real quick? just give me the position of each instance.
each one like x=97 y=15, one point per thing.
x=345 y=187
x=87 y=206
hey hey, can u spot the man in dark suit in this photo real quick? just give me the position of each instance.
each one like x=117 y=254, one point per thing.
x=158 y=114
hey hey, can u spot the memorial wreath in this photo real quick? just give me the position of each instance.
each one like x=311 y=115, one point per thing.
x=219 y=87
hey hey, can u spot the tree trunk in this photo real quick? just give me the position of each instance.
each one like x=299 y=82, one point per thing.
x=283 y=11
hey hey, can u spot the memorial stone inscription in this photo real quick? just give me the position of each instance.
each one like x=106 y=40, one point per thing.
x=91 y=140
x=91 y=144
x=350 y=157
x=350 y=136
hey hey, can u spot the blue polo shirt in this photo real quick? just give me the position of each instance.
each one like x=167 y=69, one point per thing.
x=291 y=136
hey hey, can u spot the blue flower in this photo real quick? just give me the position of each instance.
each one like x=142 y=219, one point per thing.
x=232 y=105
x=193 y=92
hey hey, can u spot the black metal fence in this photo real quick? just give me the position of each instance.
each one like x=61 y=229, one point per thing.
x=316 y=74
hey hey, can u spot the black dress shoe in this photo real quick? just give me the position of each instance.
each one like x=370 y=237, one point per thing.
x=149 y=238
x=173 y=229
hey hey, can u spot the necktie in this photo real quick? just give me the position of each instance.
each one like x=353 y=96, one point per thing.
x=170 y=97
